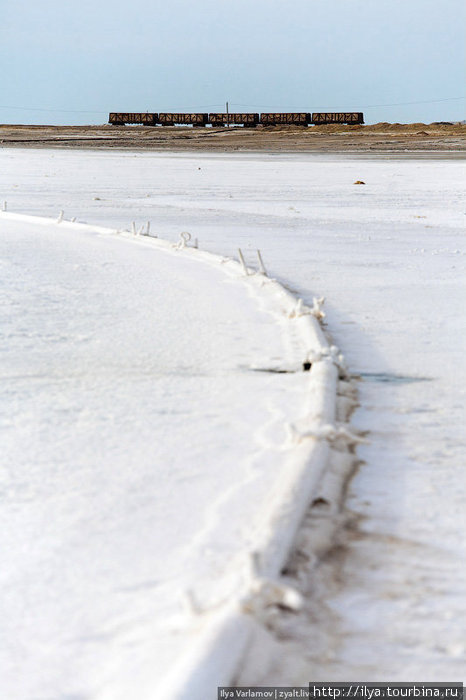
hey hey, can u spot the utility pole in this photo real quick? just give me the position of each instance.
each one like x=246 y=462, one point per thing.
x=228 y=118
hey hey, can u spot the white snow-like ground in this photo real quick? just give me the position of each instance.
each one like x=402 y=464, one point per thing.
x=141 y=450
x=390 y=258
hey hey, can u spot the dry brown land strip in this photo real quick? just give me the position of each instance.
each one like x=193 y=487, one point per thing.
x=377 y=138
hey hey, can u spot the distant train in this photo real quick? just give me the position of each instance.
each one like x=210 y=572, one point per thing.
x=247 y=119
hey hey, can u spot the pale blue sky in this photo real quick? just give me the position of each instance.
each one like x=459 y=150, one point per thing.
x=158 y=55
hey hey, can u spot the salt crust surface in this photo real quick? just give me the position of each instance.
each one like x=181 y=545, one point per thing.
x=389 y=256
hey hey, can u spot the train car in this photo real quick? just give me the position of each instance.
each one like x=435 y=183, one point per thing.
x=172 y=118
x=337 y=118
x=245 y=118
x=285 y=118
x=122 y=118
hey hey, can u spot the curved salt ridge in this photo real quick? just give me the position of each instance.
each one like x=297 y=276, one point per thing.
x=223 y=635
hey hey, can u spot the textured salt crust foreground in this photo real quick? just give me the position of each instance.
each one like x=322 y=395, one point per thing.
x=388 y=602
x=145 y=460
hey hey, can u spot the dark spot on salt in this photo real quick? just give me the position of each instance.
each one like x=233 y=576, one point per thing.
x=387 y=378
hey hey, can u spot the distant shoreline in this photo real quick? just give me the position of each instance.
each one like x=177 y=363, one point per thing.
x=374 y=139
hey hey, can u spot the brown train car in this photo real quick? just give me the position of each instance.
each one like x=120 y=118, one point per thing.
x=122 y=118
x=287 y=118
x=337 y=118
x=172 y=118
x=245 y=118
